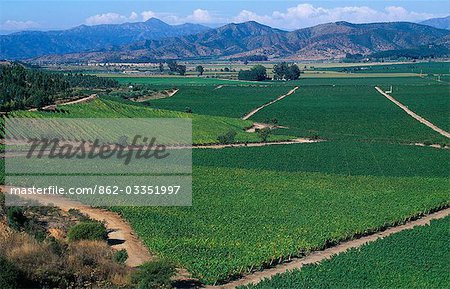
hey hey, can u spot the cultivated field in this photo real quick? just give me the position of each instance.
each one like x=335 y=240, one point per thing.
x=402 y=260
x=254 y=207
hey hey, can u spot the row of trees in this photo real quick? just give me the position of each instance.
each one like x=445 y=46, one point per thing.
x=175 y=67
x=281 y=71
x=22 y=88
x=256 y=73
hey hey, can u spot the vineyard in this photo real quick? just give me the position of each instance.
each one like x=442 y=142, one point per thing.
x=244 y=219
x=254 y=207
x=418 y=68
x=409 y=259
x=206 y=129
x=430 y=101
x=346 y=112
x=231 y=101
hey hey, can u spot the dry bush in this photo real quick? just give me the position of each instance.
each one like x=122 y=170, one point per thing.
x=36 y=260
x=92 y=262
x=84 y=263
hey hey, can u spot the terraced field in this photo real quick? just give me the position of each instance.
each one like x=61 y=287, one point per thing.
x=206 y=129
x=409 y=259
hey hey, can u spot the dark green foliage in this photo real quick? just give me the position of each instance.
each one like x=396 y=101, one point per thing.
x=200 y=69
x=22 y=88
x=154 y=274
x=227 y=138
x=426 y=51
x=16 y=218
x=121 y=256
x=264 y=133
x=285 y=71
x=9 y=275
x=416 y=258
x=88 y=231
x=176 y=68
x=256 y=73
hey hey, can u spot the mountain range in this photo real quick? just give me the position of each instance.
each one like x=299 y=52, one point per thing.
x=30 y=44
x=441 y=23
x=155 y=40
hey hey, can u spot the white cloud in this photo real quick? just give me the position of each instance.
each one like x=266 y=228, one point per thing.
x=197 y=16
x=200 y=16
x=12 y=25
x=110 y=18
x=147 y=15
x=304 y=15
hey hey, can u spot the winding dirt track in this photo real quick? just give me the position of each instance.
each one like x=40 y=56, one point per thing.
x=121 y=234
x=318 y=256
x=413 y=114
x=80 y=100
x=251 y=113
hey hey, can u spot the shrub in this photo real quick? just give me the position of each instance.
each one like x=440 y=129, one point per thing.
x=9 y=275
x=88 y=231
x=227 y=138
x=121 y=256
x=154 y=274
x=264 y=133
x=16 y=218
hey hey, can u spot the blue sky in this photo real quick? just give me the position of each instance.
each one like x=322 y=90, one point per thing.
x=57 y=14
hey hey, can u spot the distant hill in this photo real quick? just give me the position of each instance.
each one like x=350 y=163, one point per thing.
x=30 y=44
x=442 y=23
x=325 y=41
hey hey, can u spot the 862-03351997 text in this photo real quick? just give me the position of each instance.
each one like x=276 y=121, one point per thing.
x=98 y=190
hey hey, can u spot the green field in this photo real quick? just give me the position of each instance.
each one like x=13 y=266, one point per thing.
x=206 y=129
x=346 y=112
x=176 y=81
x=420 y=67
x=256 y=205
x=243 y=218
x=231 y=101
x=413 y=258
x=431 y=101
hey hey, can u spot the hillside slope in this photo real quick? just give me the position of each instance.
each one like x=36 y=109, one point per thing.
x=331 y=40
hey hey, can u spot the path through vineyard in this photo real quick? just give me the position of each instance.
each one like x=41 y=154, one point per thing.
x=413 y=114
x=318 y=256
x=251 y=113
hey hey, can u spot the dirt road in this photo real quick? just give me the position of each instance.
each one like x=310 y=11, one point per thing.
x=121 y=234
x=251 y=113
x=413 y=114
x=328 y=253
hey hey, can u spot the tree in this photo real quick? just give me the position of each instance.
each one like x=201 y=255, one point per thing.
x=172 y=64
x=293 y=72
x=256 y=73
x=161 y=67
x=181 y=69
x=264 y=133
x=285 y=71
x=200 y=69
x=279 y=70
